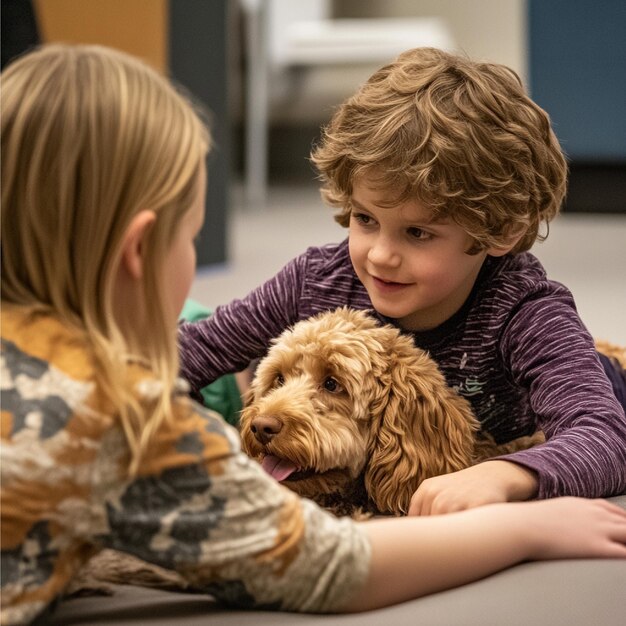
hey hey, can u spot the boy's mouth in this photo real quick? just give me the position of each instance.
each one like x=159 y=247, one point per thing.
x=387 y=284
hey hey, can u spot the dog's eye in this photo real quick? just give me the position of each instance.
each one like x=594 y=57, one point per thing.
x=279 y=381
x=331 y=384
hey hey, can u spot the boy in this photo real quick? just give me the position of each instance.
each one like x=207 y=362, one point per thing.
x=444 y=171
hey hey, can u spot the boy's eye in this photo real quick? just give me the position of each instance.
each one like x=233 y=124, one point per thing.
x=361 y=218
x=331 y=384
x=418 y=233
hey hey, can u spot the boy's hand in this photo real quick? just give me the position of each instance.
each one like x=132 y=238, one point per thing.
x=486 y=483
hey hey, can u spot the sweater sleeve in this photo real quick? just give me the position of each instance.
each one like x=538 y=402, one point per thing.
x=199 y=506
x=241 y=331
x=549 y=352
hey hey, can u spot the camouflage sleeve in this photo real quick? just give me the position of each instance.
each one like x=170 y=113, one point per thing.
x=230 y=529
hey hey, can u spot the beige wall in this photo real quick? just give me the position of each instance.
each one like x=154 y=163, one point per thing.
x=135 y=26
x=490 y=30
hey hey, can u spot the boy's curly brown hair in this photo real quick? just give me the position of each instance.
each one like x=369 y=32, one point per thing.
x=461 y=136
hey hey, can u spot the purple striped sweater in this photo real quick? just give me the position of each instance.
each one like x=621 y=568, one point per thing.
x=517 y=350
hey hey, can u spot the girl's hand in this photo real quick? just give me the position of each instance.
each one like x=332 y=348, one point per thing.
x=566 y=528
x=486 y=483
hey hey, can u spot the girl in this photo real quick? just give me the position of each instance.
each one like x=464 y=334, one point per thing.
x=103 y=188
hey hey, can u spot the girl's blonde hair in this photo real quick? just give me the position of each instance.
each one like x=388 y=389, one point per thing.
x=461 y=136
x=90 y=137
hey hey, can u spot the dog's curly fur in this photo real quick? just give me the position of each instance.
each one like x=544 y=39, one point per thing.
x=359 y=415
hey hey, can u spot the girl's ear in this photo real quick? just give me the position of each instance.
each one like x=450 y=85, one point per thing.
x=133 y=242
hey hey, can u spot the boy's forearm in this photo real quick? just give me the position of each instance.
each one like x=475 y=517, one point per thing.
x=520 y=483
x=583 y=464
x=486 y=483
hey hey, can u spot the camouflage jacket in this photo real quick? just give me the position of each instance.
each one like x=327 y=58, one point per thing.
x=197 y=505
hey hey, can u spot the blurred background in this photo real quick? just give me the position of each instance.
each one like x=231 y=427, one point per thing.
x=272 y=72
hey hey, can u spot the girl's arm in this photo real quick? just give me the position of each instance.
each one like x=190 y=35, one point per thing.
x=199 y=506
x=202 y=508
x=412 y=557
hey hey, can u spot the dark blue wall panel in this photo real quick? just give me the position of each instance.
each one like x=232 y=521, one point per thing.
x=578 y=74
x=198 y=44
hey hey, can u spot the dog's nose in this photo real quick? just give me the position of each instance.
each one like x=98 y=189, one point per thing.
x=265 y=427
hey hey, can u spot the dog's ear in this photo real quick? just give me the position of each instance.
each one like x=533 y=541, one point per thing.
x=419 y=426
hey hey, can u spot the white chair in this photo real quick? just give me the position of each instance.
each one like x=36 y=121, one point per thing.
x=285 y=34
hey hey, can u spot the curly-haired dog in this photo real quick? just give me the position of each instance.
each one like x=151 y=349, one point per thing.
x=348 y=413
x=352 y=415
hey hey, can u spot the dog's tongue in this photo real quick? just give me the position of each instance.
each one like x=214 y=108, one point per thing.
x=278 y=468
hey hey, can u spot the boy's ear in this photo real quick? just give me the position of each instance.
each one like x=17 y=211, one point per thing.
x=133 y=242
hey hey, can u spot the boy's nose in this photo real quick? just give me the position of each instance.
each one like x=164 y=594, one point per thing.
x=383 y=253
